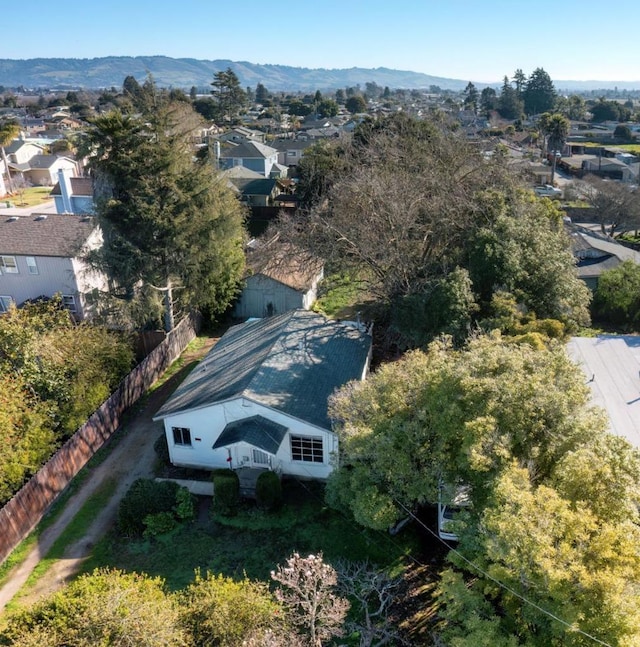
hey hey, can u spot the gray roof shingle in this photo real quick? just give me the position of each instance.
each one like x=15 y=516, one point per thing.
x=51 y=235
x=291 y=362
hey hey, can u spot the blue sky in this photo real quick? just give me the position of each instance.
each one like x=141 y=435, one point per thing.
x=463 y=39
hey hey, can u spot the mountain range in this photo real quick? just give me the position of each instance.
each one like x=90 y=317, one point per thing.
x=110 y=71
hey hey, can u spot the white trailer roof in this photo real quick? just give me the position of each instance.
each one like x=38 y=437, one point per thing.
x=611 y=365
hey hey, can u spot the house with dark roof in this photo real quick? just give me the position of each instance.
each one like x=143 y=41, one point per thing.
x=41 y=255
x=596 y=253
x=259 y=399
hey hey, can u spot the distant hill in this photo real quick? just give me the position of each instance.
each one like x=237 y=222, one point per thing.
x=110 y=71
x=65 y=73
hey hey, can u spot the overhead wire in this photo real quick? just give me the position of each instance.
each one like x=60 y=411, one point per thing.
x=506 y=587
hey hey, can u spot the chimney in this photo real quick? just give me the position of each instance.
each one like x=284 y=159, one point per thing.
x=64 y=178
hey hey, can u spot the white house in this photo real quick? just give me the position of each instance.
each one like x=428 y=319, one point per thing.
x=41 y=255
x=73 y=194
x=259 y=398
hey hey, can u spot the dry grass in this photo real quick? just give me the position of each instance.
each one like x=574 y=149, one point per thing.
x=30 y=197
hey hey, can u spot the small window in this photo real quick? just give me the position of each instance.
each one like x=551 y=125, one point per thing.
x=8 y=264
x=69 y=302
x=32 y=265
x=5 y=302
x=181 y=436
x=307 y=449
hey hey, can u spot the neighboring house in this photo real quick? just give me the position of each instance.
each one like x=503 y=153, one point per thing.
x=256 y=192
x=259 y=398
x=277 y=281
x=73 y=194
x=290 y=151
x=252 y=155
x=42 y=170
x=40 y=256
x=242 y=135
x=20 y=151
x=596 y=253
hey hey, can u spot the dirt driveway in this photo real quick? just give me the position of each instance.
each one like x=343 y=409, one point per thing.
x=133 y=457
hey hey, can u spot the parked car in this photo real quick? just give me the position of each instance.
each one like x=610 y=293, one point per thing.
x=547 y=191
x=451 y=501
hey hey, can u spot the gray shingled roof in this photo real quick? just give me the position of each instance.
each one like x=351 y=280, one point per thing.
x=51 y=235
x=255 y=430
x=291 y=362
x=249 y=150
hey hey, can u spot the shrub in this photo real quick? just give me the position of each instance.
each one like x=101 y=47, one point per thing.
x=226 y=492
x=158 y=524
x=161 y=448
x=185 y=508
x=268 y=491
x=145 y=497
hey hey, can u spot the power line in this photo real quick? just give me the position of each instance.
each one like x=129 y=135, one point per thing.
x=501 y=584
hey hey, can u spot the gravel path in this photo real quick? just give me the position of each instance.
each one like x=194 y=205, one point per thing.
x=132 y=458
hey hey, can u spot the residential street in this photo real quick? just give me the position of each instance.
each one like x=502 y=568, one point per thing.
x=133 y=457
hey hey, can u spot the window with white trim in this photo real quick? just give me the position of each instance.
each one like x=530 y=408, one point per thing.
x=69 y=302
x=8 y=264
x=5 y=302
x=181 y=436
x=307 y=449
x=32 y=266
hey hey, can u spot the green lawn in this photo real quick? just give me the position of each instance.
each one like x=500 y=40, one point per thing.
x=254 y=542
x=30 y=197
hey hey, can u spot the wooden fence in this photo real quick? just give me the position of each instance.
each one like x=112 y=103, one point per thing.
x=22 y=513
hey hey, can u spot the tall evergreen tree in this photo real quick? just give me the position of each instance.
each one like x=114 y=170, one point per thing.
x=540 y=93
x=169 y=223
x=230 y=96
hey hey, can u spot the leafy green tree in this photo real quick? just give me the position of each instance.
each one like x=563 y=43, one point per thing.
x=540 y=93
x=228 y=93
x=617 y=297
x=168 y=222
x=217 y=610
x=623 y=133
x=104 y=608
x=27 y=437
x=555 y=554
x=72 y=368
x=341 y=97
x=356 y=104
x=327 y=108
x=298 y=108
x=526 y=251
x=455 y=415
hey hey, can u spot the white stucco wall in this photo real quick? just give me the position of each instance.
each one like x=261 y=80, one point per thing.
x=207 y=424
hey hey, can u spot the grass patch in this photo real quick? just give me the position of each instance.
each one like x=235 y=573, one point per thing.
x=74 y=531
x=253 y=543
x=193 y=346
x=31 y=196
x=341 y=296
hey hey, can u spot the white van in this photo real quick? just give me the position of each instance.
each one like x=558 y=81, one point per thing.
x=451 y=500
